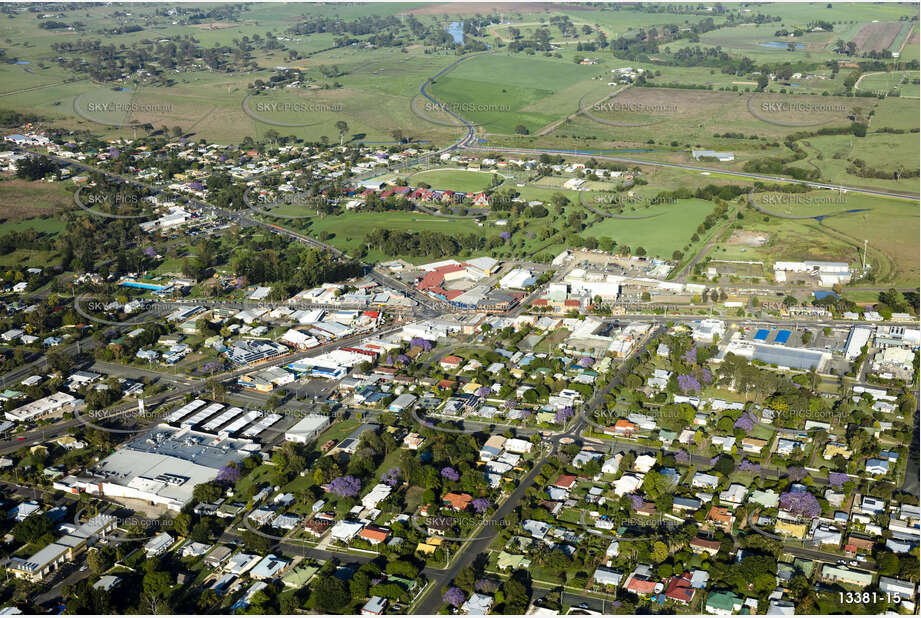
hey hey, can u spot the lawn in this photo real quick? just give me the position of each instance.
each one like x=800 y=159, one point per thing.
x=39 y=224
x=660 y=235
x=348 y=231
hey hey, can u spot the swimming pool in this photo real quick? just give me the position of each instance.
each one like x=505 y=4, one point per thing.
x=143 y=286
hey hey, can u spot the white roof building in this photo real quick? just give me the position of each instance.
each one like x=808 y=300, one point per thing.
x=307 y=429
x=377 y=494
x=158 y=544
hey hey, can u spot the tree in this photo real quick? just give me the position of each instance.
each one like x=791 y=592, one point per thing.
x=330 y=595
x=342 y=126
x=256 y=543
x=208 y=492
x=517 y=593
x=521 y=130
x=32 y=528
x=659 y=552
x=35 y=168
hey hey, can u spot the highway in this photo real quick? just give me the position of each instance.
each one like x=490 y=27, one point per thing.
x=694 y=168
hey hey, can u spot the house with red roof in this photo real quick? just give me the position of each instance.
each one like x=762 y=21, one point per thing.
x=374 y=534
x=458 y=502
x=679 y=589
x=450 y=362
x=565 y=481
x=622 y=428
x=721 y=517
x=702 y=545
x=641 y=582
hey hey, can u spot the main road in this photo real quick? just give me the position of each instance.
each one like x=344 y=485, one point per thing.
x=693 y=168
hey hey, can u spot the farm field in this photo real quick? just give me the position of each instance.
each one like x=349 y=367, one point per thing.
x=23 y=200
x=895 y=113
x=44 y=224
x=803 y=13
x=758 y=41
x=512 y=91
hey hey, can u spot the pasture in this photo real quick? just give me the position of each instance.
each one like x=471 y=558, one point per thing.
x=502 y=91
x=903 y=83
x=23 y=200
x=889 y=225
x=834 y=154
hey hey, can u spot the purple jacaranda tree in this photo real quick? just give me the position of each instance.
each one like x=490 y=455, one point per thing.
x=486 y=585
x=388 y=360
x=801 y=503
x=150 y=252
x=747 y=466
x=480 y=505
x=403 y=359
x=344 y=486
x=690 y=356
x=114 y=153
x=505 y=235
x=228 y=474
x=509 y=404
x=796 y=473
x=636 y=502
x=482 y=391
x=713 y=460
x=419 y=342
x=706 y=376
x=563 y=414
x=586 y=361
x=450 y=474
x=454 y=596
x=688 y=383
x=746 y=422
x=682 y=457
x=391 y=477
x=838 y=479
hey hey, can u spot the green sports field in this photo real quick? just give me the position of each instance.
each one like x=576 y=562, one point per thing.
x=659 y=235
x=453 y=180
